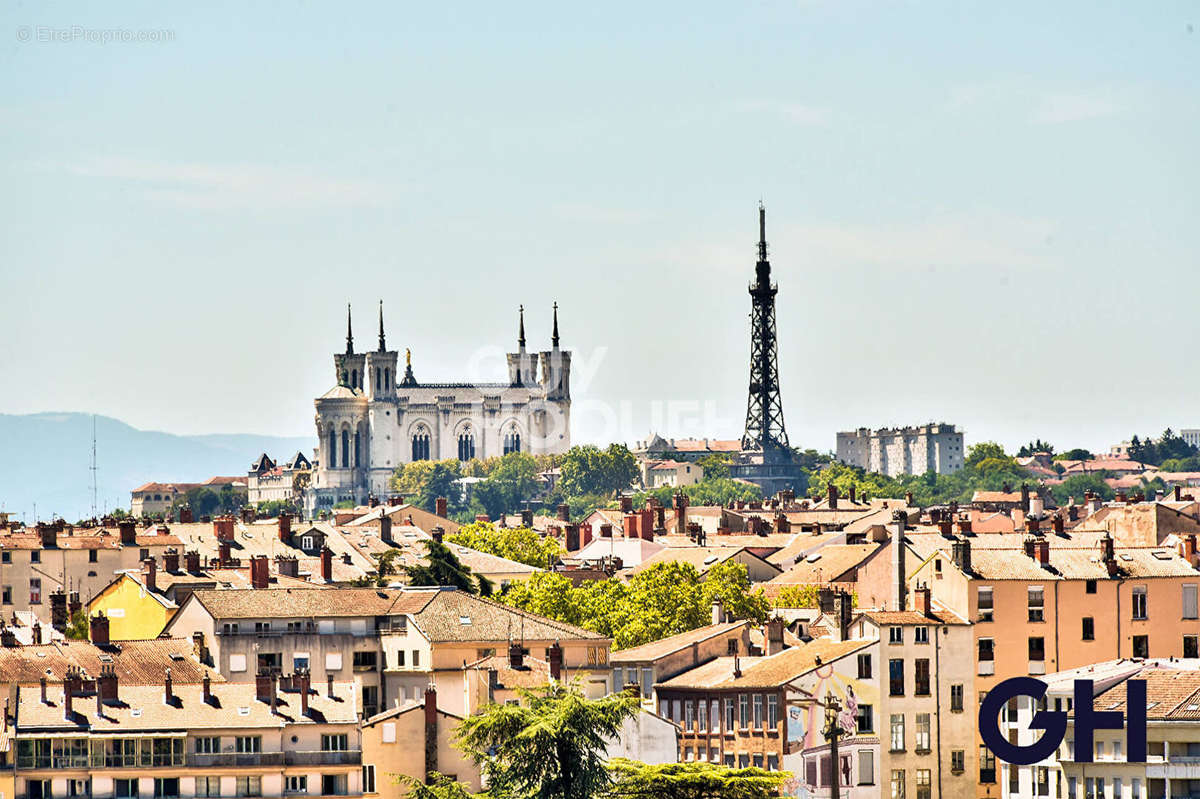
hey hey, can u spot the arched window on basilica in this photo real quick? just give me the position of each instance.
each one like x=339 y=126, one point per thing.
x=466 y=445
x=420 y=444
x=345 y=449
x=512 y=439
x=331 y=455
x=357 y=449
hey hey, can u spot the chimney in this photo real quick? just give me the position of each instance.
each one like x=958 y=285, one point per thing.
x=439 y=507
x=329 y=686
x=1121 y=497
x=1027 y=545
x=150 y=574
x=844 y=603
x=935 y=515
x=660 y=519
x=1108 y=554
x=49 y=536
x=680 y=501
x=782 y=525
x=1032 y=525
x=718 y=611
x=1025 y=497
x=260 y=572
x=626 y=504
x=287 y=566
x=385 y=529
x=191 y=561
x=206 y=689
x=98 y=627
x=285 y=526
x=630 y=521
x=946 y=526
x=516 y=655
x=832 y=494
x=737 y=666
x=72 y=687
x=1057 y=522
x=556 y=661
x=922 y=602
x=899 y=578
x=45 y=699
x=1041 y=550
x=527 y=517
x=185 y=515
x=305 y=677
x=106 y=684
x=774 y=635
x=372 y=501
x=961 y=554
x=8 y=639
x=908 y=498
x=1178 y=493
x=223 y=527
x=482 y=517
x=171 y=561
x=1073 y=512
x=37 y=632
x=431 y=733
x=585 y=533
x=564 y=512
x=264 y=687
x=572 y=536
x=1037 y=505
x=168 y=693
x=58 y=610
x=327 y=564
x=224 y=558
x=964 y=525
x=1189 y=548
x=128 y=528
x=646 y=523
x=606 y=530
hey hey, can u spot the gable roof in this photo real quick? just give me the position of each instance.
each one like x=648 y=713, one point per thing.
x=289 y=603
x=765 y=672
x=675 y=643
x=135 y=662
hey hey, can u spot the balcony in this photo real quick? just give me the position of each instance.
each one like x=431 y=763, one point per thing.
x=987 y=668
x=347 y=757
x=223 y=759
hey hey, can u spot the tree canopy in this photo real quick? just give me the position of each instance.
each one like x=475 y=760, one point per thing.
x=588 y=469
x=515 y=543
x=1156 y=450
x=1034 y=447
x=442 y=567
x=694 y=780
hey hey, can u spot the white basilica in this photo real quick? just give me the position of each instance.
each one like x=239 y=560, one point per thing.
x=375 y=418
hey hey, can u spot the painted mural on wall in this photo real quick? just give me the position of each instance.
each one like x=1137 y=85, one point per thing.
x=807 y=755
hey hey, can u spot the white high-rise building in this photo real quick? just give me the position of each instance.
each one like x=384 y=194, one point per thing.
x=903 y=450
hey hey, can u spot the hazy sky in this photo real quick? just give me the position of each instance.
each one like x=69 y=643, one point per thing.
x=978 y=213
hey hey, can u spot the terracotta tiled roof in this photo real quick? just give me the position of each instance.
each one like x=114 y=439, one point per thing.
x=765 y=672
x=657 y=649
x=142 y=707
x=458 y=616
x=906 y=617
x=703 y=558
x=531 y=674
x=135 y=662
x=1170 y=694
x=827 y=564
x=311 y=602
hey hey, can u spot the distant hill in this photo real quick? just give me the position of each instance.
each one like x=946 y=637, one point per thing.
x=44 y=459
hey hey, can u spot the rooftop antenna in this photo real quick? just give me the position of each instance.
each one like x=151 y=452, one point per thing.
x=93 y=466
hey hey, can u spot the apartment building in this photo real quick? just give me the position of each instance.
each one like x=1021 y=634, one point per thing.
x=100 y=739
x=391 y=643
x=896 y=451
x=57 y=558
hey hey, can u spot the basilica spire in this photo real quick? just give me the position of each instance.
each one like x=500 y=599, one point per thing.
x=521 y=329
x=554 y=336
x=382 y=340
x=349 y=333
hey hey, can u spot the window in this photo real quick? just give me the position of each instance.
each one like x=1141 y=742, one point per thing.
x=729 y=725
x=896 y=677
x=208 y=786
x=772 y=762
x=987 y=764
x=743 y=710
x=958 y=761
x=364 y=661
x=368 y=778
x=400 y=658
x=1135 y=788
x=897 y=783
x=1189 y=601
x=7 y=595
x=956 y=698
x=1089 y=628
x=689 y=714
x=921 y=635
x=1141 y=646
x=93 y=555
x=125 y=789
x=984 y=603
x=758 y=711
x=1037 y=603
x=249 y=786
x=416 y=653
x=924 y=784
x=466 y=445
x=897 y=732
x=420 y=445
x=864 y=667
x=1139 y=602
x=986 y=654
x=866 y=719
x=248 y=744
x=1190 y=647
x=208 y=746
x=1037 y=648
x=306 y=543
x=35 y=556
x=921 y=677
x=866 y=767
x=772 y=711
x=35 y=591
x=299 y=663
x=1090 y=586
x=166 y=787
x=895 y=635
x=921 y=740
x=5 y=557
x=335 y=743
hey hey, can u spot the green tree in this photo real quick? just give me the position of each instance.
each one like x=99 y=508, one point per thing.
x=803 y=596
x=515 y=543
x=729 y=583
x=442 y=567
x=715 y=465
x=1076 y=454
x=550 y=746
x=589 y=470
x=1078 y=484
x=845 y=477
x=440 y=482
x=386 y=566
x=442 y=787
x=982 y=451
x=695 y=780
x=1033 y=447
x=78 y=626
x=271 y=508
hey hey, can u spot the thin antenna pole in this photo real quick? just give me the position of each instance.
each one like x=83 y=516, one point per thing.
x=93 y=467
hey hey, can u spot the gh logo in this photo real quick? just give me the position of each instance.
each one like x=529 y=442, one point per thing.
x=1054 y=722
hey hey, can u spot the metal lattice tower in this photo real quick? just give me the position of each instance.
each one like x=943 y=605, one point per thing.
x=764 y=408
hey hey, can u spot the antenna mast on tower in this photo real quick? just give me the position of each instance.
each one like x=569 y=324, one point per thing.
x=93 y=466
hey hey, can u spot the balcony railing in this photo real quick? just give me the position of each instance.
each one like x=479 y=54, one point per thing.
x=219 y=759
x=348 y=757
